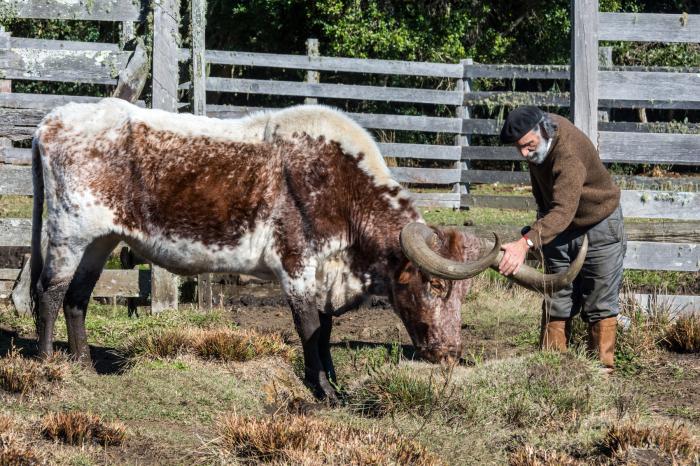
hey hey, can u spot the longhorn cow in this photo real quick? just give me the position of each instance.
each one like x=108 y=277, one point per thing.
x=301 y=195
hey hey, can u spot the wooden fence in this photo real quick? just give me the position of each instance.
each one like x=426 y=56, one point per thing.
x=457 y=120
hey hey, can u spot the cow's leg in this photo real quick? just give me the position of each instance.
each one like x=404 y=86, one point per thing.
x=61 y=261
x=324 y=346
x=78 y=295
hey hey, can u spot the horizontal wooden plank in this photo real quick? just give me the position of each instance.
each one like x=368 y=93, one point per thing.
x=420 y=151
x=367 y=120
x=661 y=204
x=425 y=175
x=649 y=104
x=9 y=274
x=50 y=44
x=93 y=10
x=675 y=305
x=436 y=200
x=332 y=64
x=490 y=153
x=41 y=101
x=15 y=232
x=681 y=149
x=495 y=176
x=112 y=283
x=681 y=257
x=15 y=156
x=15 y=180
x=649 y=27
x=19 y=124
x=334 y=91
x=654 y=127
x=479 y=70
x=647 y=85
x=661 y=231
x=80 y=66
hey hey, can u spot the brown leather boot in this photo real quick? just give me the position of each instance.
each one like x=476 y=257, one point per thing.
x=601 y=340
x=554 y=333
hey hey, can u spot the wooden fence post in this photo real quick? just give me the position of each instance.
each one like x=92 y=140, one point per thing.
x=5 y=87
x=166 y=40
x=198 y=11
x=313 y=77
x=584 y=66
x=462 y=139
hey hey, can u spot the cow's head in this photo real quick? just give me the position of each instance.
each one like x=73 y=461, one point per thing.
x=429 y=286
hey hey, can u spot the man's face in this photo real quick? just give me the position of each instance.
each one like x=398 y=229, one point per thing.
x=533 y=146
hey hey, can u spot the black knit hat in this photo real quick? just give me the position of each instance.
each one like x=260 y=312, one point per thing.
x=519 y=122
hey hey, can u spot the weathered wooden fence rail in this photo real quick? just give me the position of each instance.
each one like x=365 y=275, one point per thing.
x=454 y=113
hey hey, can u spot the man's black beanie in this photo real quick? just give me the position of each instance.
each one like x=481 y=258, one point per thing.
x=519 y=122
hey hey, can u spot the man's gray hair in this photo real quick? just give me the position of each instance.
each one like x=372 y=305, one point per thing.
x=548 y=125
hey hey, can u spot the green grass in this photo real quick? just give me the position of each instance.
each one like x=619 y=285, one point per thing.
x=478 y=216
x=16 y=206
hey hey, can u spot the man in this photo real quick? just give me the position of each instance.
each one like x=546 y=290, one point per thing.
x=575 y=196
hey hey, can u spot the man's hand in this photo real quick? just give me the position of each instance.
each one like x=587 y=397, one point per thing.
x=513 y=257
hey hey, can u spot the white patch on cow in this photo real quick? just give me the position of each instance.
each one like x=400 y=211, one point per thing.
x=336 y=284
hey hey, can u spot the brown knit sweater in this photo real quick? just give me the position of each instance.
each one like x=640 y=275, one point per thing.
x=572 y=187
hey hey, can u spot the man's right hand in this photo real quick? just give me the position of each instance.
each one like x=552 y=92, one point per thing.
x=513 y=257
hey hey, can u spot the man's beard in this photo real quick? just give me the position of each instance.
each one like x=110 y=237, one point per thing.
x=538 y=155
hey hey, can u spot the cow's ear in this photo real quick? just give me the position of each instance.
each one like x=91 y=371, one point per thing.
x=407 y=272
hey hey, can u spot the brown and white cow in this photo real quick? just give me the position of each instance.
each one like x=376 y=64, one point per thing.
x=301 y=195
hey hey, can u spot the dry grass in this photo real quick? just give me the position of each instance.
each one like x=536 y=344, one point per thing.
x=527 y=455
x=683 y=335
x=302 y=440
x=20 y=375
x=6 y=424
x=76 y=428
x=223 y=344
x=675 y=440
x=14 y=453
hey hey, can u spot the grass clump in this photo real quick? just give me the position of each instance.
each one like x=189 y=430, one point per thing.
x=76 y=428
x=683 y=335
x=224 y=344
x=306 y=440
x=527 y=455
x=21 y=375
x=14 y=453
x=674 y=440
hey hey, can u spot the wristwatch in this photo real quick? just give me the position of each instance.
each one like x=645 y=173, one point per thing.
x=524 y=233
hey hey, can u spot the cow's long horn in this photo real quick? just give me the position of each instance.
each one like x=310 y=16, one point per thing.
x=416 y=239
x=535 y=280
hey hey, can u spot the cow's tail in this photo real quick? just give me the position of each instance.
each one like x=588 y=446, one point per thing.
x=37 y=260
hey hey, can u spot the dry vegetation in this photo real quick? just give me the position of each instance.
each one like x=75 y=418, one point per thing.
x=683 y=335
x=224 y=344
x=302 y=440
x=76 y=428
x=21 y=375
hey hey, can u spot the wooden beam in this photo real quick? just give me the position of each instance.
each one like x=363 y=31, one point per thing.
x=679 y=149
x=675 y=305
x=681 y=257
x=584 y=69
x=133 y=77
x=648 y=85
x=420 y=151
x=94 y=10
x=313 y=77
x=198 y=21
x=334 y=91
x=649 y=27
x=166 y=40
x=425 y=175
x=661 y=204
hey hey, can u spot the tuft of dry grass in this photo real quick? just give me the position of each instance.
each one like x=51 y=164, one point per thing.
x=527 y=455
x=304 y=440
x=14 y=453
x=76 y=428
x=6 y=423
x=674 y=439
x=683 y=335
x=223 y=344
x=20 y=375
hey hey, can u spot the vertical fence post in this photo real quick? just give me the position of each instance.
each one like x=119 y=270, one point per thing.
x=604 y=59
x=5 y=87
x=127 y=32
x=584 y=66
x=462 y=139
x=198 y=11
x=166 y=40
x=313 y=77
